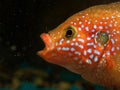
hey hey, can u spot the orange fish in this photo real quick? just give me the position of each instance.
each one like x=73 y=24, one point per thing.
x=88 y=43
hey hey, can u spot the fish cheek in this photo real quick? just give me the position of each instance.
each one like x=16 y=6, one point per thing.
x=54 y=57
x=63 y=54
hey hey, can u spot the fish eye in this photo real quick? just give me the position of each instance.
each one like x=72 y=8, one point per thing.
x=69 y=32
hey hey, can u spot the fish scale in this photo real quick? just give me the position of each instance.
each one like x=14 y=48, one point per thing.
x=88 y=43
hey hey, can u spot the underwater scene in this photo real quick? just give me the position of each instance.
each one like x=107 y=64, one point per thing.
x=59 y=45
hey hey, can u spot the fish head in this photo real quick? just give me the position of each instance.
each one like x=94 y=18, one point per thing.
x=59 y=48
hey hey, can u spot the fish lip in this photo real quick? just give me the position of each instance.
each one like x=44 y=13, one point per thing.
x=48 y=44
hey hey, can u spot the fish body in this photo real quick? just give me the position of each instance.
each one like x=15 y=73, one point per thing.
x=88 y=43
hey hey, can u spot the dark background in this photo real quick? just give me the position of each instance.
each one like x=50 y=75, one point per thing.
x=21 y=23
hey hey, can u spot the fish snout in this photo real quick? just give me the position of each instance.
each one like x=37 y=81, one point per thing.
x=48 y=44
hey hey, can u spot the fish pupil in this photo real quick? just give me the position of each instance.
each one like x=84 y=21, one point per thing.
x=69 y=33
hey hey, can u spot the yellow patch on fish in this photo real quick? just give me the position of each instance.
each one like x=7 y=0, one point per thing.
x=88 y=43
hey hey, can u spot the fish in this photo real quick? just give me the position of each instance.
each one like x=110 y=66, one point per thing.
x=88 y=44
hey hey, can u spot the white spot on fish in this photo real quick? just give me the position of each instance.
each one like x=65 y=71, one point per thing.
x=81 y=40
x=103 y=18
x=103 y=55
x=110 y=25
x=99 y=44
x=94 y=46
x=108 y=31
x=87 y=14
x=106 y=27
x=100 y=27
x=75 y=23
x=91 y=56
x=118 y=32
x=65 y=48
x=71 y=22
x=58 y=33
x=101 y=22
x=86 y=28
x=60 y=43
x=81 y=46
x=85 y=52
x=88 y=38
x=88 y=61
x=78 y=35
x=68 y=41
x=72 y=49
x=86 y=21
x=82 y=26
x=113 y=17
x=77 y=53
x=79 y=28
x=80 y=22
x=96 y=20
x=97 y=52
x=62 y=40
x=89 y=50
x=118 y=48
x=93 y=30
x=77 y=19
x=83 y=16
x=105 y=22
x=72 y=44
x=56 y=43
x=96 y=59
x=59 y=48
x=76 y=44
x=92 y=35
x=108 y=52
x=116 y=39
x=73 y=39
x=89 y=22
x=89 y=44
x=95 y=26
x=113 y=48
x=112 y=40
x=107 y=18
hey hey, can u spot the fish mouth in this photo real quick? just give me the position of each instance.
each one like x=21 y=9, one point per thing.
x=48 y=44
